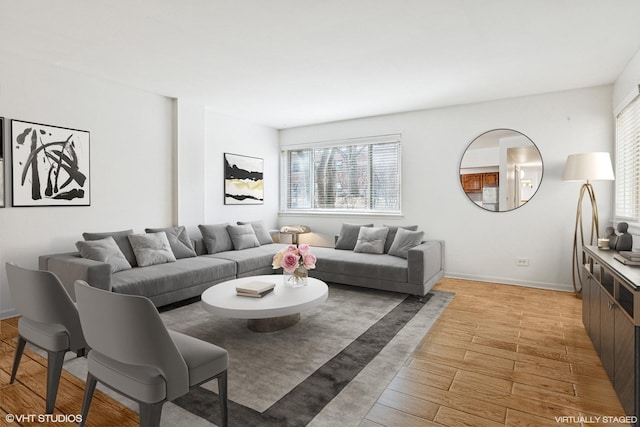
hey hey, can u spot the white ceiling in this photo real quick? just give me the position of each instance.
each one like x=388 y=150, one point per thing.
x=285 y=63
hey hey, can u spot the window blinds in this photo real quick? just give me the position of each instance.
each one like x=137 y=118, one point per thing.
x=628 y=162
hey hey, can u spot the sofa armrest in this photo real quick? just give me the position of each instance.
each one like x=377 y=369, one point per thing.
x=426 y=261
x=71 y=267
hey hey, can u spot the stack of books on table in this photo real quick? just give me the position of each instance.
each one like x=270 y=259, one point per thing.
x=254 y=289
x=631 y=257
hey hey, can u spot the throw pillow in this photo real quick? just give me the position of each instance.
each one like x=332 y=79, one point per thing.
x=121 y=240
x=404 y=241
x=371 y=240
x=151 y=248
x=393 y=229
x=243 y=236
x=349 y=236
x=104 y=250
x=261 y=231
x=179 y=240
x=216 y=238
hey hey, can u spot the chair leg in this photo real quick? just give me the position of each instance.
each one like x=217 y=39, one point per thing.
x=89 y=388
x=222 y=394
x=54 y=370
x=16 y=358
x=150 y=414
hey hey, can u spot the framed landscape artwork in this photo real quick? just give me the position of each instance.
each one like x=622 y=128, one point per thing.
x=243 y=180
x=49 y=165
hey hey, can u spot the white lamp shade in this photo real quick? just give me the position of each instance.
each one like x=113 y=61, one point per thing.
x=588 y=167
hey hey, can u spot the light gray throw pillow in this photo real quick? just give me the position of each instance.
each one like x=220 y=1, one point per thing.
x=121 y=240
x=261 y=231
x=243 y=236
x=151 y=248
x=104 y=250
x=393 y=229
x=216 y=238
x=179 y=240
x=371 y=240
x=349 y=236
x=404 y=241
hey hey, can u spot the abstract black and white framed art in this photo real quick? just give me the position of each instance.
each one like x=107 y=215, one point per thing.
x=50 y=165
x=243 y=180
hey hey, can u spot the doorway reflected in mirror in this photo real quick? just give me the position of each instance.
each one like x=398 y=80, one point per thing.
x=501 y=170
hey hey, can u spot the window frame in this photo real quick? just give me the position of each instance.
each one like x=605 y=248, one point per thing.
x=621 y=183
x=285 y=167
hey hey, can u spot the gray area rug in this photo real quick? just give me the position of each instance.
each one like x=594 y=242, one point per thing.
x=327 y=370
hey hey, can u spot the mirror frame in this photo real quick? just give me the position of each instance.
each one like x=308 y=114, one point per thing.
x=499 y=179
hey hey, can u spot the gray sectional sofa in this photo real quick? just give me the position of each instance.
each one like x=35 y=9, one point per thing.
x=168 y=282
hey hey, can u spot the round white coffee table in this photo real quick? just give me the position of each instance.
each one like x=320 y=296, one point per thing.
x=277 y=310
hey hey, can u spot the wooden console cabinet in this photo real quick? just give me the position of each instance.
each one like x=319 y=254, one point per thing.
x=611 y=316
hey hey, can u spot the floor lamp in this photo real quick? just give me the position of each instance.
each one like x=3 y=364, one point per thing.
x=586 y=167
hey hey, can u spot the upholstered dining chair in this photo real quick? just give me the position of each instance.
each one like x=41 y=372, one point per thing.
x=133 y=353
x=49 y=320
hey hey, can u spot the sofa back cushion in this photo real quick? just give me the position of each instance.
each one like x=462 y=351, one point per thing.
x=260 y=230
x=179 y=241
x=404 y=241
x=393 y=229
x=216 y=238
x=348 y=236
x=243 y=236
x=104 y=250
x=151 y=248
x=121 y=240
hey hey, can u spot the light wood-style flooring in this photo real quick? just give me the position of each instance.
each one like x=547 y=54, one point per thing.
x=501 y=355
x=498 y=355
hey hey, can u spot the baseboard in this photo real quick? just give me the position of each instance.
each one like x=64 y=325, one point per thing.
x=6 y=314
x=564 y=287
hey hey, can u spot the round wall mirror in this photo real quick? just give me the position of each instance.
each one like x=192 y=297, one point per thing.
x=501 y=170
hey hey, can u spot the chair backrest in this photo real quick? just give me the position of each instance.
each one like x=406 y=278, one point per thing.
x=39 y=296
x=128 y=329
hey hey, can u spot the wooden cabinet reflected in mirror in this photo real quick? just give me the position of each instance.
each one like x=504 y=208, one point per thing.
x=501 y=170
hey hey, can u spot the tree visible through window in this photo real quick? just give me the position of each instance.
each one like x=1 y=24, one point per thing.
x=359 y=177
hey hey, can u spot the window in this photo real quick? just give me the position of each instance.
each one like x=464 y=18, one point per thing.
x=358 y=175
x=628 y=162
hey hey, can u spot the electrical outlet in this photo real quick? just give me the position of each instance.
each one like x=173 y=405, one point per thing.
x=522 y=262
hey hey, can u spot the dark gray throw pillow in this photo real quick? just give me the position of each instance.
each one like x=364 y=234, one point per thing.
x=178 y=239
x=393 y=229
x=404 y=241
x=260 y=230
x=371 y=240
x=216 y=238
x=349 y=236
x=104 y=250
x=243 y=236
x=121 y=240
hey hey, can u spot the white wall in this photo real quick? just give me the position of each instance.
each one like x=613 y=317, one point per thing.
x=224 y=134
x=626 y=86
x=480 y=244
x=131 y=159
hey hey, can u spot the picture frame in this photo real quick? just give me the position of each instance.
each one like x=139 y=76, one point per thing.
x=243 y=180
x=2 y=163
x=50 y=165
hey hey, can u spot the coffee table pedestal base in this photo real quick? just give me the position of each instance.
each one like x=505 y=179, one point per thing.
x=273 y=324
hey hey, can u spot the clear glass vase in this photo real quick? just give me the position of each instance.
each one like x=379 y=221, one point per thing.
x=297 y=278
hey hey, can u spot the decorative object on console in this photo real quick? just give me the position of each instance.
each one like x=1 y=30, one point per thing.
x=295 y=261
x=625 y=240
x=295 y=231
x=612 y=236
x=243 y=180
x=50 y=165
x=586 y=167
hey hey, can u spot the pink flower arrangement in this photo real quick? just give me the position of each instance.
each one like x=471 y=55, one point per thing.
x=292 y=257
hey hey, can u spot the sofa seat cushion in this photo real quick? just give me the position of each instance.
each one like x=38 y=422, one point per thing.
x=374 y=266
x=251 y=259
x=162 y=278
